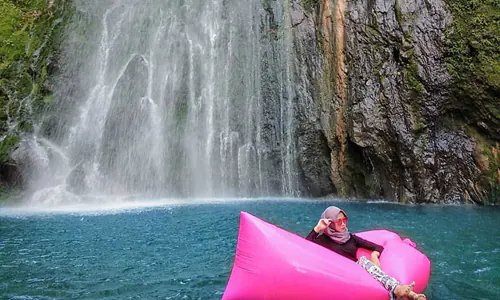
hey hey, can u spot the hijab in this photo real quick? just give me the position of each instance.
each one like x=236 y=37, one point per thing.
x=338 y=237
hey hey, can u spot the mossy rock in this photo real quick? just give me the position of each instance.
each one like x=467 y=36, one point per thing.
x=473 y=59
x=29 y=37
x=310 y=5
x=9 y=142
x=8 y=193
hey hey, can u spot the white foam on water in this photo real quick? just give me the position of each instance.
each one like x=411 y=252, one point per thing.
x=92 y=205
x=483 y=270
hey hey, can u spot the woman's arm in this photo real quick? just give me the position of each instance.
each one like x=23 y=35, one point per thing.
x=362 y=243
x=322 y=224
x=376 y=249
x=374 y=258
x=312 y=235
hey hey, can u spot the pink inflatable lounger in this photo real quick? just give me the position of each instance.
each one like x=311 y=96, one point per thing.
x=272 y=263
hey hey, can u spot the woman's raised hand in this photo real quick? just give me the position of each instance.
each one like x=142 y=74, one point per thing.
x=322 y=224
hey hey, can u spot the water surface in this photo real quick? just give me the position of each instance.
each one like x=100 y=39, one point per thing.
x=185 y=251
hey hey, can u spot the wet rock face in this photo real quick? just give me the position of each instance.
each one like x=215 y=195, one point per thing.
x=30 y=59
x=312 y=146
x=398 y=86
x=387 y=138
x=398 y=94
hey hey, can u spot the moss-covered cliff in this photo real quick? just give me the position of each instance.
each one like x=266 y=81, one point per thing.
x=29 y=33
x=473 y=59
x=417 y=119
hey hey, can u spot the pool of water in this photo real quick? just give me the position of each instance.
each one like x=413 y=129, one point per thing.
x=185 y=250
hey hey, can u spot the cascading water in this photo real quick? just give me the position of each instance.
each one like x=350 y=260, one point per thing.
x=173 y=98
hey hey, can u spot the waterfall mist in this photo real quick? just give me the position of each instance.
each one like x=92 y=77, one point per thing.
x=178 y=98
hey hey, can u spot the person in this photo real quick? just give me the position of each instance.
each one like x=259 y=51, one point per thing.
x=331 y=232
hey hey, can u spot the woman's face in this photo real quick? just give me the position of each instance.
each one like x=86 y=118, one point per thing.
x=342 y=220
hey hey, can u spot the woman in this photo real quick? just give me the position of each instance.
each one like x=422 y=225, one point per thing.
x=331 y=232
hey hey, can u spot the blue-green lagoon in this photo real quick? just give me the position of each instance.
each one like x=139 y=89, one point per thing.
x=184 y=249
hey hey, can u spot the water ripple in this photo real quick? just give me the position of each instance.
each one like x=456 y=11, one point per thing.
x=186 y=251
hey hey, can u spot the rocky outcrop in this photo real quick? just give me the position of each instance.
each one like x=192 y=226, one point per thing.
x=386 y=101
x=312 y=147
x=398 y=89
x=308 y=145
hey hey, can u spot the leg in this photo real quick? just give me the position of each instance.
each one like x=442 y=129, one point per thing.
x=391 y=284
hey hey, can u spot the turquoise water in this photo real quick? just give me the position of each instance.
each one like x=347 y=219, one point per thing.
x=186 y=251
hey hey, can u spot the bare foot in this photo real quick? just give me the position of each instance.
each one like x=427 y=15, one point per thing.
x=414 y=296
x=402 y=291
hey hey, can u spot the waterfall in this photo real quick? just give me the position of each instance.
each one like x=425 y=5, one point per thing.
x=179 y=98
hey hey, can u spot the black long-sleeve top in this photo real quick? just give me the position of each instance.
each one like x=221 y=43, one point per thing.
x=348 y=249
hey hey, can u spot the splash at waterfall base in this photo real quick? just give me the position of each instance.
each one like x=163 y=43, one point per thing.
x=272 y=263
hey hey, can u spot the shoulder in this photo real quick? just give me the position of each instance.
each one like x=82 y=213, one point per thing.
x=357 y=238
x=323 y=239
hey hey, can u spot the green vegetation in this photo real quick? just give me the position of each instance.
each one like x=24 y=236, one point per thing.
x=7 y=193
x=410 y=75
x=309 y=5
x=27 y=47
x=410 y=71
x=397 y=11
x=17 y=45
x=487 y=158
x=21 y=26
x=416 y=119
x=473 y=58
x=491 y=174
x=8 y=142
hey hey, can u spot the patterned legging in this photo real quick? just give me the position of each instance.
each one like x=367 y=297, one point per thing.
x=387 y=281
